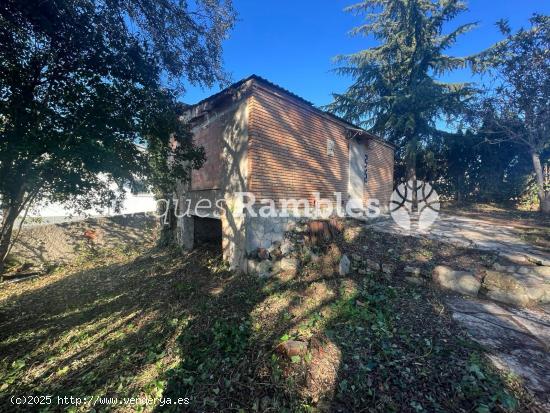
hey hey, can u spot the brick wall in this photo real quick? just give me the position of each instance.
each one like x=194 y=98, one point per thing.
x=209 y=136
x=379 y=183
x=288 y=150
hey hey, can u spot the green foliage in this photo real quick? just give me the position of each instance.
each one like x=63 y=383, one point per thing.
x=467 y=168
x=518 y=108
x=395 y=91
x=475 y=382
x=86 y=85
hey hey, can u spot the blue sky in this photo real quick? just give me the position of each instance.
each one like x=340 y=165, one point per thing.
x=292 y=43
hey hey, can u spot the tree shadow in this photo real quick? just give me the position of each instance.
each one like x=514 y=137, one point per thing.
x=106 y=330
x=375 y=343
x=173 y=325
x=62 y=243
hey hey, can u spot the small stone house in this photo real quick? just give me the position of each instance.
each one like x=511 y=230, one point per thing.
x=264 y=140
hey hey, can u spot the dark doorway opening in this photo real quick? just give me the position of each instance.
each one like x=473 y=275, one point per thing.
x=208 y=232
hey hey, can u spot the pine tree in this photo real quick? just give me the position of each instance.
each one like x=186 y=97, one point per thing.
x=396 y=92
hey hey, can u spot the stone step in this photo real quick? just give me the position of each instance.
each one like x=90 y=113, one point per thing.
x=516 y=285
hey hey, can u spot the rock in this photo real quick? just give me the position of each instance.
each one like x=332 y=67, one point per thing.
x=259 y=268
x=542 y=271
x=505 y=288
x=263 y=254
x=514 y=338
x=515 y=257
x=365 y=247
x=315 y=258
x=537 y=260
x=372 y=265
x=412 y=271
x=362 y=271
x=343 y=267
x=539 y=293
x=414 y=280
x=388 y=268
x=275 y=249
x=287 y=264
x=355 y=257
x=292 y=348
x=499 y=267
x=286 y=247
x=463 y=282
x=523 y=270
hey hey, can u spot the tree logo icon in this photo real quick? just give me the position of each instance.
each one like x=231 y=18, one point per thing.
x=414 y=217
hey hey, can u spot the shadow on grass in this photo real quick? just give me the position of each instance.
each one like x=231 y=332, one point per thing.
x=374 y=344
x=107 y=330
x=166 y=324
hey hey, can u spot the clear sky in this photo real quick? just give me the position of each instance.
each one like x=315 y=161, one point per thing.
x=292 y=43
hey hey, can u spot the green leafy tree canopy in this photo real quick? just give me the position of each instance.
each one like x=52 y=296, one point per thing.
x=86 y=84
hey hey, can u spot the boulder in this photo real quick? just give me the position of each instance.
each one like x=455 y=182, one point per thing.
x=275 y=249
x=286 y=247
x=538 y=260
x=260 y=268
x=263 y=254
x=542 y=271
x=355 y=257
x=344 y=265
x=463 y=282
x=292 y=348
x=412 y=271
x=504 y=287
x=287 y=264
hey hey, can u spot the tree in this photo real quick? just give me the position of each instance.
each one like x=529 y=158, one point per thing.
x=518 y=108
x=85 y=83
x=395 y=91
x=470 y=169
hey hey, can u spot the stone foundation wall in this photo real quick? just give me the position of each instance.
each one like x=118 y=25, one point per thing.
x=263 y=232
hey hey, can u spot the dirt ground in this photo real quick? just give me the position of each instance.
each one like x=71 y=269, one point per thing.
x=532 y=226
x=42 y=247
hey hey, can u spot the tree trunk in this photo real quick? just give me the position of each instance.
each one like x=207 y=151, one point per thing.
x=544 y=196
x=8 y=221
x=411 y=178
x=167 y=222
x=10 y=211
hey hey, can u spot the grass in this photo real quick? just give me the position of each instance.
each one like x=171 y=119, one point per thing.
x=152 y=323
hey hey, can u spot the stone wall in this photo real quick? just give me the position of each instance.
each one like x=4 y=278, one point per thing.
x=263 y=232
